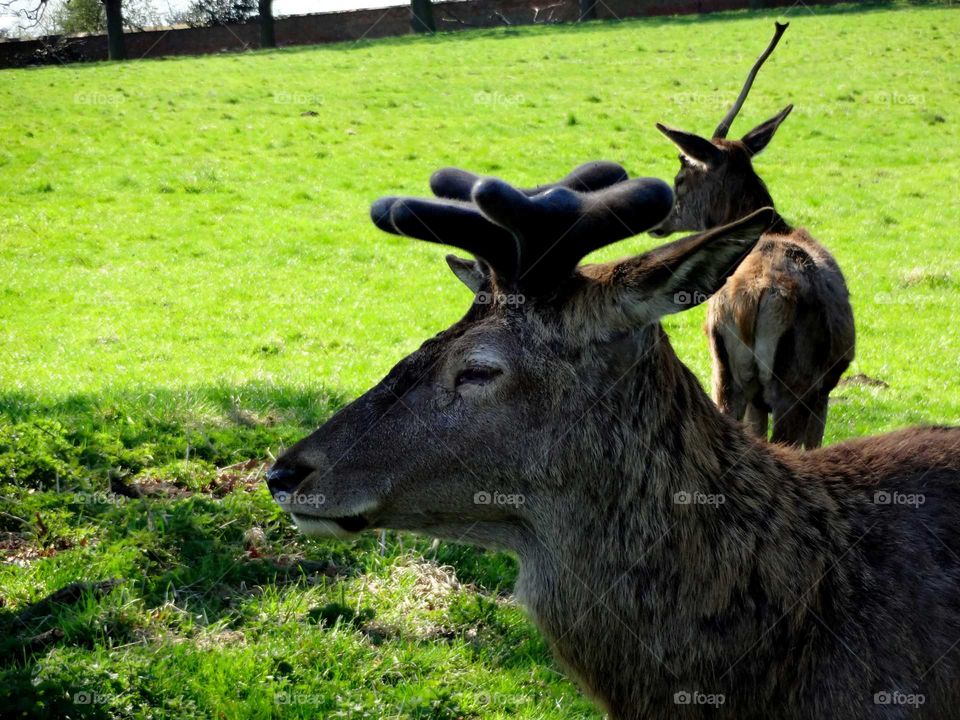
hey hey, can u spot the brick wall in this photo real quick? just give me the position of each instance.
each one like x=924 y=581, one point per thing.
x=345 y=26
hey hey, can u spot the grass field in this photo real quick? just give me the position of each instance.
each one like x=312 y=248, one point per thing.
x=190 y=281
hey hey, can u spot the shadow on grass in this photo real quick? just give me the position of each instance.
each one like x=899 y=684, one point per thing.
x=79 y=440
x=185 y=562
x=177 y=571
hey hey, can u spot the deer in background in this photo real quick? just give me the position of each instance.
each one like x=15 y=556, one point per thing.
x=679 y=567
x=781 y=330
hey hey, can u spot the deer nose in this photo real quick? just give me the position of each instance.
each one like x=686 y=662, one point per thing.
x=283 y=477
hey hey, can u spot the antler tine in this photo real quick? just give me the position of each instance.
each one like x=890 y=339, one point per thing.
x=450 y=222
x=557 y=228
x=530 y=242
x=457 y=184
x=724 y=127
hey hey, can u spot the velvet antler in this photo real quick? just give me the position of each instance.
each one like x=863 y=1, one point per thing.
x=724 y=127
x=457 y=184
x=529 y=241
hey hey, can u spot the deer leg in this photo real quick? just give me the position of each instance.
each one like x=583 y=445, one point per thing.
x=730 y=398
x=817 y=423
x=757 y=418
x=791 y=415
x=727 y=394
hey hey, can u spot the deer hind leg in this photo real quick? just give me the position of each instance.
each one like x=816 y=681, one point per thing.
x=794 y=409
x=757 y=418
x=790 y=420
x=727 y=393
x=813 y=437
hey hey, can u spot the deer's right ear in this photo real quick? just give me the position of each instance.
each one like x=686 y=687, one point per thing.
x=758 y=138
x=693 y=146
x=468 y=271
x=684 y=273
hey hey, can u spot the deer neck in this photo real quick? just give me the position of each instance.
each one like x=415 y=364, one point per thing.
x=753 y=196
x=683 y=522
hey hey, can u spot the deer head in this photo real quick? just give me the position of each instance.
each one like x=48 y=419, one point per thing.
x=716 y=183
x=481 y=433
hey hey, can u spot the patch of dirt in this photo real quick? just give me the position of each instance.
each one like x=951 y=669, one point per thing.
x=248 y=418
x=215 y=641
x=22 y=550
x=256 y=547
x=244 y=476
x=928 y=277
x=861 y=380
x=155 y=488
x=15 y=549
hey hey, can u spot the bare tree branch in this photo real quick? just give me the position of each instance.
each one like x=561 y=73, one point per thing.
x=30 y=13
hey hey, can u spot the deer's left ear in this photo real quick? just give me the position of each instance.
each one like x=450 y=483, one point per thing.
x=693 y=146
x=468 y=271
x=758 y=138
x=682 y=274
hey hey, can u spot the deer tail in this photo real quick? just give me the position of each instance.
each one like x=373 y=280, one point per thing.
x=772 y=317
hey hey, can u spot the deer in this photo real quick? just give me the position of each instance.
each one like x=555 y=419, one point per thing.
x=781 y=331
x=678 y=566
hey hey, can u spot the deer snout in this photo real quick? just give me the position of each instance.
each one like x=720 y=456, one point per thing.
x=286 y=476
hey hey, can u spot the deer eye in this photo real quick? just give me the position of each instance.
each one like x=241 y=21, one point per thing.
x=479 y=375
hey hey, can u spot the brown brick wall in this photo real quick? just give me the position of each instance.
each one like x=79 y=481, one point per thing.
x=345 y=26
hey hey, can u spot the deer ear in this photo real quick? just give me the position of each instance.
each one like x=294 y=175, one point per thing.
x=468 y=271
x=758 y=138
x=693 y=146
x=683 y=274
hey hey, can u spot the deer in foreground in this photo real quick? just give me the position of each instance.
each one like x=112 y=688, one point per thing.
x=781 y=330
x=678 y=566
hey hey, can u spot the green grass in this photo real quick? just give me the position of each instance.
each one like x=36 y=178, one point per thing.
x=190 y=281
